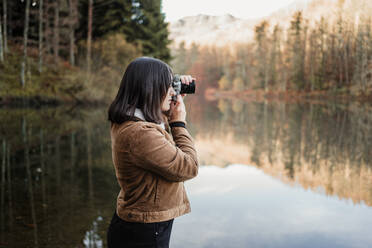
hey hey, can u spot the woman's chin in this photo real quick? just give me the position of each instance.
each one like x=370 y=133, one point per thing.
x=166 y=109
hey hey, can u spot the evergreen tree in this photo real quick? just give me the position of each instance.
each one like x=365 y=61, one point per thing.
x=114 y=16
x=151 y=31
x=110 y=17
x=141 y=21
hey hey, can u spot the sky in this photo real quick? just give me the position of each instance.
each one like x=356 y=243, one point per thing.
x=247 y=9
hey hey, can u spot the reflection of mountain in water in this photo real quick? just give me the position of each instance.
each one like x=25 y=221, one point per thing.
x=322 y=147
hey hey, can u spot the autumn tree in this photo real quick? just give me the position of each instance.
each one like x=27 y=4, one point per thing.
x=262 y=42
x=363 y=55
x=224 y=83
x=275 y=55
x=297 y=52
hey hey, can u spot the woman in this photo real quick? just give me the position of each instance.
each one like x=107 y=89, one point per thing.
x=153 y=155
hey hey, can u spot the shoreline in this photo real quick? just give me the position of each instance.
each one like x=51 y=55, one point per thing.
x=36 y=102
x=287 y=96
x=211 y=94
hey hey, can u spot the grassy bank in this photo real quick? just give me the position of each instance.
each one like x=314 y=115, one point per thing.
x=55 y=84
x=62 y=83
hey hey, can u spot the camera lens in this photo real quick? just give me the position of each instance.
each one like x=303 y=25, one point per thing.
x=188 y=89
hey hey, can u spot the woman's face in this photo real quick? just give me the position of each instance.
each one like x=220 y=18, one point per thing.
x=168 y=99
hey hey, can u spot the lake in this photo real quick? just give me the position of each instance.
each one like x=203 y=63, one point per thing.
x=273 y=174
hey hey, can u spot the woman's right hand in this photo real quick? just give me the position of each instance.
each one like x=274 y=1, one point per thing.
x=177 y=110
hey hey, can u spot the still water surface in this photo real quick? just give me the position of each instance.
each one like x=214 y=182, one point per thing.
x=273 y=174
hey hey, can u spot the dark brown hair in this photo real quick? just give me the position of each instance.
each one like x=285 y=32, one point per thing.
x=144 y=85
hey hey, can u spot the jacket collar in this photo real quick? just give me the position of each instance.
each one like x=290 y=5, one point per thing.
x=139 y=114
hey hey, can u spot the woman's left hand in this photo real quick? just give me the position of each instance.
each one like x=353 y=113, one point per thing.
x=186 y=79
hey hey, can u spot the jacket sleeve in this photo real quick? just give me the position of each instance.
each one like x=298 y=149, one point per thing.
x=153 y=152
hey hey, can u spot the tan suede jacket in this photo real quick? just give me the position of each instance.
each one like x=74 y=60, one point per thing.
x=150 y=167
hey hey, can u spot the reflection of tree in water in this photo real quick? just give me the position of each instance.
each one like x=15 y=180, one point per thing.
x=225 y=107
x=237 y=107
x=57 y=179
x=325 y=145
x=292 y=139
x=269 y=131
x=258 y=134
x=200 y=111
x=25 y=135
x=72 y=180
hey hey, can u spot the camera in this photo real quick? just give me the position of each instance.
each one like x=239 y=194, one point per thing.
x=181 y=88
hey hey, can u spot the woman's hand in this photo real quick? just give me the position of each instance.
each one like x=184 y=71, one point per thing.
x=186 y=79
x=178 y=109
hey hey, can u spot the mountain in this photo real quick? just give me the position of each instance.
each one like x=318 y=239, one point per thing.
x=227 y=29
x=205 y=29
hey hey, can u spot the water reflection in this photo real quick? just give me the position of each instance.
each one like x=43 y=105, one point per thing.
x=241 y=206
x=56 y=178
x=58 y=186
x=92 y=238
x=326 y=148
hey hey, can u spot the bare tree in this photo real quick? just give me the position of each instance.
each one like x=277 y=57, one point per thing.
x=40 y=35
x=72 y=24
x=25 y=37
x=47 y=32
x=89 y=40
x=5 y=26
x=1 y=45
x=56 y=32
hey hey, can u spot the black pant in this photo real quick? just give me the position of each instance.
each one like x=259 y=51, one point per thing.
x=126 y=234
